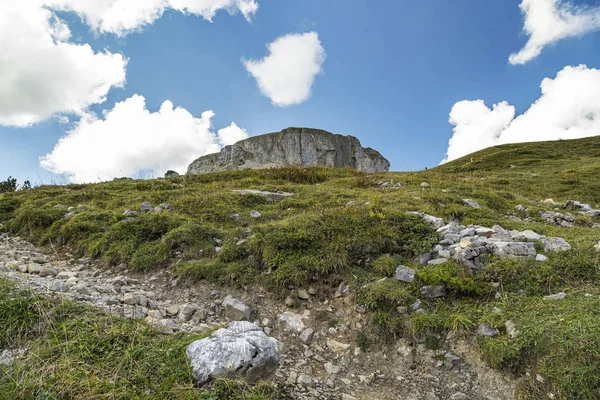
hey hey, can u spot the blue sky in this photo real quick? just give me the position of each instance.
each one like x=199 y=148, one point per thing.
x=393 y=72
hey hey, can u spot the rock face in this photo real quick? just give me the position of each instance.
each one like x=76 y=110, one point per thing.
x=241 y=349
x=293 y=146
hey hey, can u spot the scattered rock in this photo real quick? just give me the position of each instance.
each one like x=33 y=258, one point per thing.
x=472 y=203
x=486 y=330
x=541 y=258
x=554 y=244
x=241 y=349
x=255 y=214
x=306 y=335
x=425 y=184
x=172 y=174
x=270 y=196
x=303 y=294
x=291 y=322
x=337 y=347
x=433 y=292
x=556 y=296
x=135 y=299
x=146 y=207
x=405 y=274
x=236 y=310
x=511 y=329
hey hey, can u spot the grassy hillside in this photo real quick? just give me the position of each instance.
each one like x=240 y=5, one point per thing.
x=341 y=225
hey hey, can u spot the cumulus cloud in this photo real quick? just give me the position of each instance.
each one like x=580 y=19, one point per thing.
x=568 y=108
x=287 y=74
x=548 y=21
x=41 y=73
x=120 y=17
x=130 y=139
x=231 y=134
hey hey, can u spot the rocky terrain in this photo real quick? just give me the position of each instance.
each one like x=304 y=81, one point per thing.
x=303 y=147
x=318 y=355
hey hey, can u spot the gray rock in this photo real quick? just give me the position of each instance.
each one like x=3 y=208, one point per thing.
x=59 y=286
x=306 y=335
x=597 y=247
x=255 y=214
x=171 y=174
x=541 y=258
x=471 y=203
x=433 y=292
x=293 y=146
x=34 y=268
x=8 y=357
x=555 y=244
x=271 y=196
x=146 y=207
x=236 y=310
x=48 y=271
x=486 y=330
x=70 y=214
x=405 y=274
x=130 y=213
x=556 y=296
x=425 y=184
x=235 y=217
x=459 y=396
x=438 y=261
x=291 y=322
x=241 y=349
x=425 y=258
x=513 y=249
x=135 y=299
x=303 y=294
x=528 y=236
x=187 y=311
x=500 y=230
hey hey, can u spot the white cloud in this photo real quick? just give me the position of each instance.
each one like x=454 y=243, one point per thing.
x=548 y=21
x=231 y=134
x=129 y=139
x=41 y=74
x=44 y=74
x=568 y=108
x=120 y=17
x=287 y=74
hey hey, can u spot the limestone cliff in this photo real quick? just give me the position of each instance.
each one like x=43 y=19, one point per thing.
x=293 y=146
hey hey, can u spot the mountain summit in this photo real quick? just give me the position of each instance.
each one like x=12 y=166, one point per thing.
x=304 y=147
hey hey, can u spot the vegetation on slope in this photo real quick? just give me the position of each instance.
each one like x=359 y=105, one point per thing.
x=341 y=226
x=78 y=352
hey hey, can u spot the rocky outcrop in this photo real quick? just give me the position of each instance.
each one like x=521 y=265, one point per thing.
x=293 y=146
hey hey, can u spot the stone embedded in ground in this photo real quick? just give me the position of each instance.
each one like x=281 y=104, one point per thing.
x=555 y=244
x=486 y=330
x=146 y=207
x=291 y=322
x=255 y=214
x=438 y=261
x=541 y=258
x=303 y=294
x=513 y=249
x=405 y=274
x=337 y=347
x=34 y=268
x=236 y=310
x=271 y=196
x=511 y=329
x=471 y=203
x=187 y=311
x=135 y=299
x=528 y=236
x=433 y=292
x=306 y=335
x=435 y=222
x=556 y=296
x=242 y=349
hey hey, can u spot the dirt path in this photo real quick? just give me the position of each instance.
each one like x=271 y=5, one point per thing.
x=324 y=365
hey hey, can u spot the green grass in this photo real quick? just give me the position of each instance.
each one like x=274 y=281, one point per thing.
x=339 y=226
x=78 y=352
